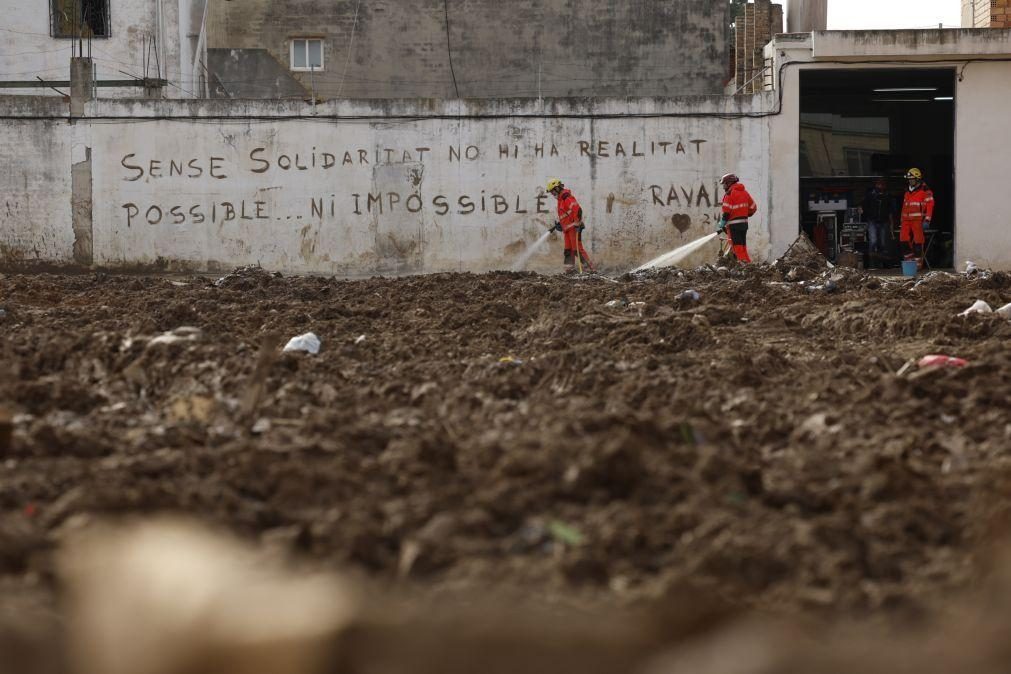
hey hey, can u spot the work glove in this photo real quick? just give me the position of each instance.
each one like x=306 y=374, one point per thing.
x=722 y=227
x=557 y=227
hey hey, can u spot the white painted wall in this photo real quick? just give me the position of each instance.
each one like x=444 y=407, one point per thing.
x=27 y=49
x=35 y=160
x=426 y=222
x=982 y=146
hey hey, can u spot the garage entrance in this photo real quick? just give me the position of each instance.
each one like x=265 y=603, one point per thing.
x=859 y=128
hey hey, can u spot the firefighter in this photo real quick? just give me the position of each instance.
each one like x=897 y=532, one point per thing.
x=917 y=212
x=570 y=224
x=738 y=206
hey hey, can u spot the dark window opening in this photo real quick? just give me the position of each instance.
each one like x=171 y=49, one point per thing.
x=80 y=18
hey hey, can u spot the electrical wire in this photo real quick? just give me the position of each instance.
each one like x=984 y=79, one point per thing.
x=376 y=118
x=449 y=49
x=351 y=43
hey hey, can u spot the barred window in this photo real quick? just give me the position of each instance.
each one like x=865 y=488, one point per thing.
x=84 y=18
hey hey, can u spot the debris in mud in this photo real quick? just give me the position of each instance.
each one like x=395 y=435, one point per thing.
x=1005 y=310
x=978 y=307
x=802 y=261
x=940 y=360
x=181 y=334
x=308 y=343
x=246 y=278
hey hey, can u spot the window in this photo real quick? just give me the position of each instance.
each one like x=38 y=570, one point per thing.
x=84 y=18
x=307 y=54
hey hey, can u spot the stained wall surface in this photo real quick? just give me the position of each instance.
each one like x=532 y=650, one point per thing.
x=489 y=48
x=400 y=188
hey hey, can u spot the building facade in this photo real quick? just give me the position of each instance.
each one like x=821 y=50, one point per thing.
x=986 y=13
x=126 y=39
x=754 y=26
x=411 y=186
x=467 y=49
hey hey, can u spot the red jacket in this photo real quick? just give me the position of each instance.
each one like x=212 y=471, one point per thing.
x=918 y=205
x=738 y=205
x=569 y=211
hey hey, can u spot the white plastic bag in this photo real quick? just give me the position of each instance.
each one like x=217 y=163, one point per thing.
x=308 y=342
x=980 y=307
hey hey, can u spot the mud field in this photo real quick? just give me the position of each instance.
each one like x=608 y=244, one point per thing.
x=512 y=431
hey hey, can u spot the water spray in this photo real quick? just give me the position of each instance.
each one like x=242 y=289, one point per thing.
x=676 y=255
x=524 y=258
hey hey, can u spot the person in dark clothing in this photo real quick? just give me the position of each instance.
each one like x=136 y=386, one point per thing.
x=879 y=212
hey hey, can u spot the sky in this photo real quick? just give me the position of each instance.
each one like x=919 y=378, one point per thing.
x=864 y=14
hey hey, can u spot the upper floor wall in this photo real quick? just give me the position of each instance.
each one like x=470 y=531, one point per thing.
x=479 y=48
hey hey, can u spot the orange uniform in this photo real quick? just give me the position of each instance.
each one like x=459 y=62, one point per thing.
x=917 y=209
x=738 y=206
x=570 y=217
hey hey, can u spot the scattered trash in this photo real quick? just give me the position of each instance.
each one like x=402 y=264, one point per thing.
x=803 y=253
x=246 y=278
x=690 y=296
x=829 y=286
x=906 y=367
x=192 y=409
x=563 y=533
x=940 y=360
x=1005 y=310
x=637 y=305
x=360 y=339
x=181 y=334
x=261 y=426
x=980 y=307
x=308 y=342
x=510 y=360
x=614 y=304
x=179 y=284
x=971 y=268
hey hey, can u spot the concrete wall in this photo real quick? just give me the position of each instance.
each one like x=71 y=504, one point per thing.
x=553 y=48
x=35 y=184
x=437 y=186
x=28 y=50
x=983 y=142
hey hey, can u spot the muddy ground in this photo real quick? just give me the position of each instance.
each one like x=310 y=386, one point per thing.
x=458 y=432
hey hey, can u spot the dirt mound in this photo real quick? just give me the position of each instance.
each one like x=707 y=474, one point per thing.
x=589 y=441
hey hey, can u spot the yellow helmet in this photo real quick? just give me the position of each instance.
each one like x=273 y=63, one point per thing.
x=554 y=184
x=914 y=173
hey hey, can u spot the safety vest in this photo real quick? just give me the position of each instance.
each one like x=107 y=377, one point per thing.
x=738 y=205
x=918 y=205
x=569 y=212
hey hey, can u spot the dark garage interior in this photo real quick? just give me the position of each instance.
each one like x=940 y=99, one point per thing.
x=860 y=126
